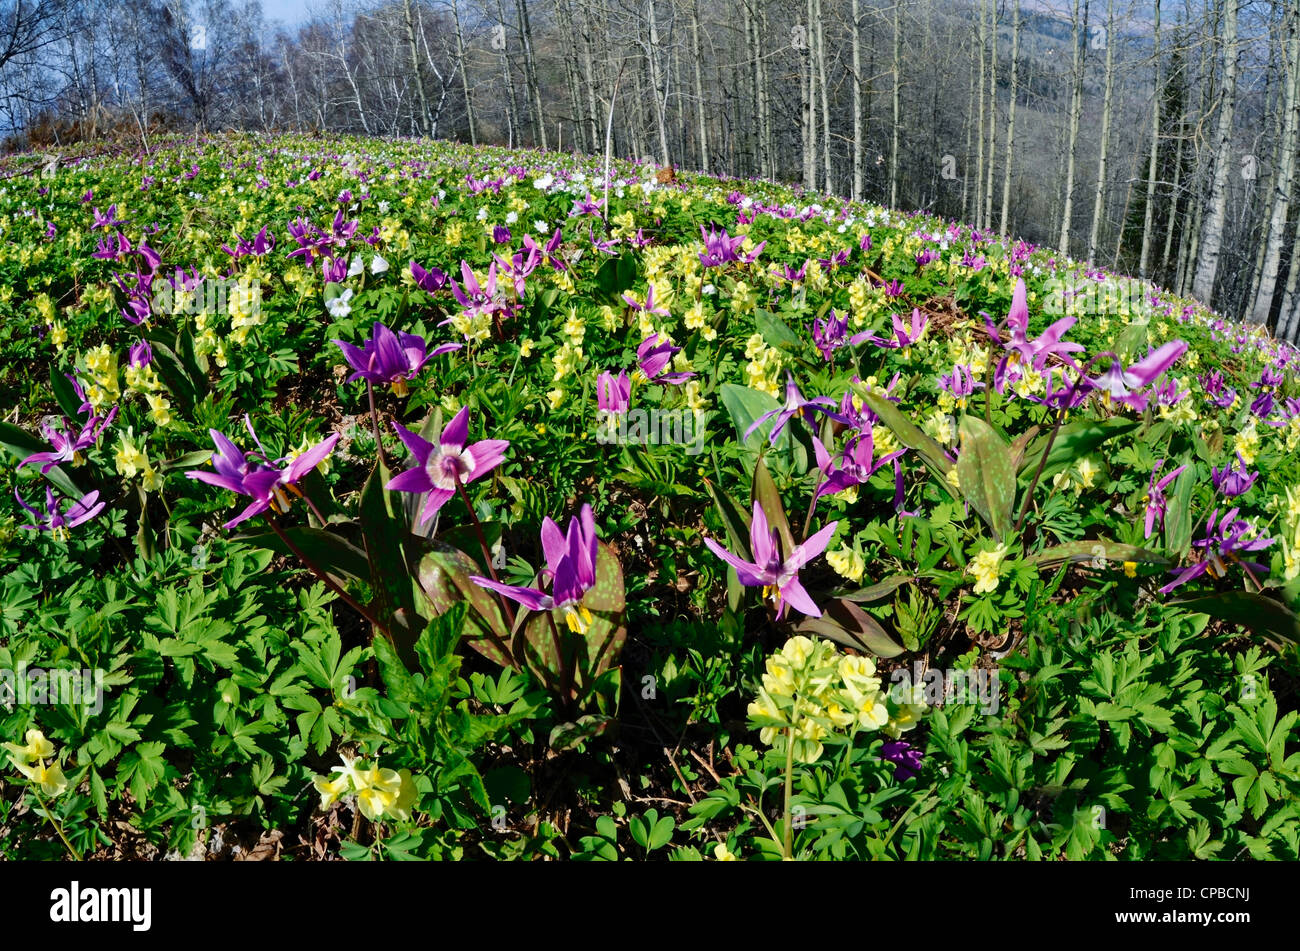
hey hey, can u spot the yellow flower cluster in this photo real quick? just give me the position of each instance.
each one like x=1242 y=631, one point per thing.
x=101 y=367
x=848 y=562
x=1246 y=444
x=131 y=460
x=1081 y=476
x=244 y=301
x=811 y=690
x=743 y=298
x=986 y=568
x=29 y=759
x=1291 y=535
x=764 y=368
x=380 y=793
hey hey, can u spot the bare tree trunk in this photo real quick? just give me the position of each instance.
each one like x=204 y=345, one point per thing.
x=657 y=98
x=1285 y=180
x=993 y=113
x=898 y=109
x=417 y=74
x=1207 y=261
x=809 y=110
x=698 y=55
x=1011 y=119
x=1154 y=164
x=828 y=184
x=1076 y=104
x=512 y=106
x=979 y=135
x=1098 y=203
x=530 y=75
x=856 y=192
x=464 y=71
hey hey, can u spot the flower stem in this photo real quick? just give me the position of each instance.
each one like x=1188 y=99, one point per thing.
x=57 y=827
x=324 y=577
x=487 y=554
x=787 y=849
x=374 y=424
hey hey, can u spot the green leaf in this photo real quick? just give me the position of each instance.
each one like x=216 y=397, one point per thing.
x=776 y=331
x=985 y=474
x=566 y=736
x=766 y=494
x=336 y=555
x=745 y=405
x=845 y=623
x=1094 y=550
x=1253 y=611
x=20 y=444
x=735 y=520
x=1074 y=441
x=64 y=394
x=908 y=434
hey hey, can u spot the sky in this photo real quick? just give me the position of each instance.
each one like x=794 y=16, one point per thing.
x=289 y=12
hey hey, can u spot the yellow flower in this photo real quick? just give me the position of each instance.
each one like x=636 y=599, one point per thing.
x=847 y=562
x=526 y=348
x=49 y=778
x=58 y=335
x=556 y=397
x=330 y=789
x=159 y=409
x=724 y=854
x=1087 y=469
x=1130 y=569
x=38 y=747
x=985 y=567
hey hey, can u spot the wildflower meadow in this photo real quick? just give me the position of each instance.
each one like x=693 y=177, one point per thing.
x=397 y=499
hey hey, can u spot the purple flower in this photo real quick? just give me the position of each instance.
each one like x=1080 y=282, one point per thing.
x=440 y=467
x=795 y=404
x=653 y=358
x=961 y=383
x=905 y=759
x=388 y=357
x=570 y=563
x=67 y=447
x=474 y=298
x=587 y=206
x=613 y=394
x=1124 y=386
x=1223 y=540
x=830 y=334
x=501 y=234
x=1233 y=482
x=107 y=219
x=57 y=521
x=779 y=578
x=854 y=465
x=903 y=335
x=721 y=248
x=257 y=477
x=1157 y=504
x=141 y=354
x=649 y=305
x=430 y=281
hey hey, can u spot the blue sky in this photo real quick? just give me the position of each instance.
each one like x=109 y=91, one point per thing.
x=290 y=12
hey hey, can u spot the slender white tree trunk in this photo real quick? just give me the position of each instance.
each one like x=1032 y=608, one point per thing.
x=1285 y=179
x=1211 y=243
x=1099 y=200
x=1011 y=119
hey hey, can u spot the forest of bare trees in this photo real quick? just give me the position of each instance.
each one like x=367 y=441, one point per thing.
x=1156 y=137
